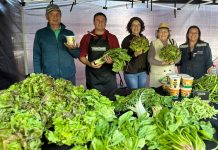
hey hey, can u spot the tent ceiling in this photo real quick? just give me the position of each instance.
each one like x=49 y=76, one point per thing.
x=108 y=4
x=160 y=1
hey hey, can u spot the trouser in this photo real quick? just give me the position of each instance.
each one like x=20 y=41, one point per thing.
x=136 y=80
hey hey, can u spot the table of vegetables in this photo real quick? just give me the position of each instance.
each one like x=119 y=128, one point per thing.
x=81 y=119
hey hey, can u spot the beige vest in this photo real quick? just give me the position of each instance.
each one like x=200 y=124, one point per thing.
x=158 y=72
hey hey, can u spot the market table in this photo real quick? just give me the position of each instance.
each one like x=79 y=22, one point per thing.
x=124 y=92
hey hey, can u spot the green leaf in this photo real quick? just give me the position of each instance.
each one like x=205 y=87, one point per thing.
x=124 y=118
x=117 y=138
x=97 y=144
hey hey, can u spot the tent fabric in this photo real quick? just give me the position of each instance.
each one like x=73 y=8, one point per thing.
x=31 y=17
x=8 y=69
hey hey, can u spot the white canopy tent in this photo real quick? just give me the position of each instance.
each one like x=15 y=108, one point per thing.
x=30 y=17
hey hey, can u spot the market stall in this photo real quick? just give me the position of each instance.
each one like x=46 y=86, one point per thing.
x=66 y=115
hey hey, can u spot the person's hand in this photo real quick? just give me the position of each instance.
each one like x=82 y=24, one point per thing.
x=108 y=59
x=167 y=63
x=209 y=70
x=71 y=46
x=137 y=53
x=94 y=65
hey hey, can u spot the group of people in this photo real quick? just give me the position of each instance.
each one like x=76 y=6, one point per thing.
x=54 y=57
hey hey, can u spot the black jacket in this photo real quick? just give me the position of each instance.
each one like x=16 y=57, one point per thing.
x=197 y=62
x=137 y=64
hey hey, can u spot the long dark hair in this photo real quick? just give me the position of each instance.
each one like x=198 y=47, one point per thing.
x=128 y=27
x=199 y=33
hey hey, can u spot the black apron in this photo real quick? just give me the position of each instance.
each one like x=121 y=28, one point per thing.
x=102 y=79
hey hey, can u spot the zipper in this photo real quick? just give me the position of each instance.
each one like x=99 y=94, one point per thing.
x=59 y=70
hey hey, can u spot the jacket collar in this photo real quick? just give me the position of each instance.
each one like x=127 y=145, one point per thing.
x=104 y=36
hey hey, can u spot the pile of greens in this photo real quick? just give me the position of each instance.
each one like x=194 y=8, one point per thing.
x=208 y=83
x=170 y=53
x=176 y=125
x=152 y=101
x=182 y=127
x=67 y=114
x=84 y=119
x=139 y=44
x=119 y=57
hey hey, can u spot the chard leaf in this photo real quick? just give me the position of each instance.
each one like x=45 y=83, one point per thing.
x=124 y=118
x=117 y=138
x=97 y=144
x=206 y=131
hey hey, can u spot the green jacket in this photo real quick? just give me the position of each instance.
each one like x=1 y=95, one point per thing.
x=51 y=56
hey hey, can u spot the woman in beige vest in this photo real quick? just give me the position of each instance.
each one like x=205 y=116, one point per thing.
x=160 y=68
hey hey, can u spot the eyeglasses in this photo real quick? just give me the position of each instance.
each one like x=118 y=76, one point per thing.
x=193 y=33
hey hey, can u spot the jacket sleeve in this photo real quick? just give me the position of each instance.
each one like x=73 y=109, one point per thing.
x=125 y=45
x=37 y=56
x=208 y=57
x=74 y=52
x=84 y=46
x=151 y=56
x=113 y=42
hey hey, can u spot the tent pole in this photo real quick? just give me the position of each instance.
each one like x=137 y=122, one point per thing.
x=24 y=43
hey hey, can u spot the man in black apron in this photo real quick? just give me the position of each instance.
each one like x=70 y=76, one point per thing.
x=93 y=45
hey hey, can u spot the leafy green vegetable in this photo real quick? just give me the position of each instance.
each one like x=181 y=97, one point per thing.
x=170 y=53
x=139 y=44
x=127 y=132
x=148 y=97
x=197 y=108
x=119 y=57
x=138 y=108
x=72 y=115
x=208 y=83
x=40 y=103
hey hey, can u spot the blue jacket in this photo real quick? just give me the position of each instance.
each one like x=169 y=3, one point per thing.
x=197 y=62
x=51 y=56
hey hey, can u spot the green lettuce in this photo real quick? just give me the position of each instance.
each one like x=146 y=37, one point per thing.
x=170 y=53
x=139 y=44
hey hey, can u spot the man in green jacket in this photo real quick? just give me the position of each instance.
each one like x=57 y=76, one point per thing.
x=51 y=54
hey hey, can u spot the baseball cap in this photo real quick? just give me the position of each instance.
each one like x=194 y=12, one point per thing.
x=52 y=7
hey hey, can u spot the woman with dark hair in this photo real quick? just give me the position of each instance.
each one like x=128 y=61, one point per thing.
x=159 y=67
x=196 y=57
x=135 y=73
